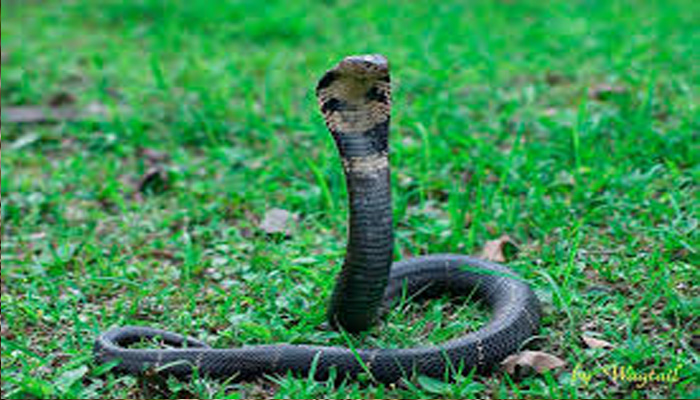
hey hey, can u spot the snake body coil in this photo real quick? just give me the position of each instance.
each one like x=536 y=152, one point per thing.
x=355 y=100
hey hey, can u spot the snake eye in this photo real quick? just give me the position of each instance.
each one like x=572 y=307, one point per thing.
x=327 y=80
x=332 y=105
x=374 y=94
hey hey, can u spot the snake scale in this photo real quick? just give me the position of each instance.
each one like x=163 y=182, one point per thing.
x=355 y=100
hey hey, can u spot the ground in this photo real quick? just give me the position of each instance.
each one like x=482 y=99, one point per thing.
x=570 y=126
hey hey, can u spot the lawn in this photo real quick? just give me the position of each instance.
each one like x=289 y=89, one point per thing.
x=570 y=126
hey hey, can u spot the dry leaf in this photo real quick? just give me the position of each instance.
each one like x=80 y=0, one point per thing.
x=166 y=254
x=537 y=360
x=5 y=332
x=695 y=342
x=604 y=91
x=594 y=343
x=155 y=180
x=153 y=156
x=276 y=220
x=494 y=250
x=556 y=78
x=61 y=99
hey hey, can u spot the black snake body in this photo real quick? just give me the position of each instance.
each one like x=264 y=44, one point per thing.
x=355 y=100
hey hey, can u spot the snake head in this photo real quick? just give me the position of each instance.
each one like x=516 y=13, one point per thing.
x=365 y=67
x=357 y=79
x=355 y=99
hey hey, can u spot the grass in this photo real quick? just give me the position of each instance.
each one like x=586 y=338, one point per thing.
x=571 y=126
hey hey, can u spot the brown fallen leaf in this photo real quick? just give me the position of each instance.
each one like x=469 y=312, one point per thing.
x=537 y=360
x=154 y=181
x=695 y=342
x=61 y=99
x=595 y=343
x=604 y=91
x=165 y=254
x=153 y=156
x=494 y=250
x=276 y=220
x=5 y=332
x=556 y=78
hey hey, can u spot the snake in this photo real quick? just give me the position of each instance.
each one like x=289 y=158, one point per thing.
x=354 y=97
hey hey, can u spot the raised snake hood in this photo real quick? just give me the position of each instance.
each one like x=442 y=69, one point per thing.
x=355 y=96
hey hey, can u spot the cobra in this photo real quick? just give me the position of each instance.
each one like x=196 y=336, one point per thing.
x=355 y=100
